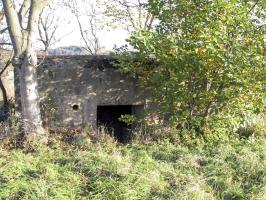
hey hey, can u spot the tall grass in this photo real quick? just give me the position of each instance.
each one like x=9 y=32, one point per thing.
x=81 y=167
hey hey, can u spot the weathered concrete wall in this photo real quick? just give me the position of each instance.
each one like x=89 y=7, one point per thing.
x=75 y=85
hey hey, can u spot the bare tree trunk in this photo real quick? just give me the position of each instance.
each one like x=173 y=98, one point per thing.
x=26 y=60
x=32 y=123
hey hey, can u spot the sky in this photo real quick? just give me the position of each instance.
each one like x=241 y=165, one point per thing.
x=69 y=34
x=108 y=38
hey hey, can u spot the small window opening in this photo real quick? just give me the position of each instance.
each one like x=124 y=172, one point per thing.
x=75 y=107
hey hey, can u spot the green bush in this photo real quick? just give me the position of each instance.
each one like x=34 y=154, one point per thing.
x=203 y=62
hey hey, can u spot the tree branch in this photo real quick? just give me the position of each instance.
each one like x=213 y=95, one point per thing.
x=5 y=43
x=83 y=36
x=13 y=24
x=3 y=30
x=5 y=67
x=23 y=11
x=36 y=8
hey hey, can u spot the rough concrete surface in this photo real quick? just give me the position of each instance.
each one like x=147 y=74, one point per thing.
x=71 y=88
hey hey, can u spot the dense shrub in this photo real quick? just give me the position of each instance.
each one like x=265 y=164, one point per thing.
x=204 y=62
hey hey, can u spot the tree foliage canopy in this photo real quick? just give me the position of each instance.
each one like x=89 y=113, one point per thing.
x=210 y=60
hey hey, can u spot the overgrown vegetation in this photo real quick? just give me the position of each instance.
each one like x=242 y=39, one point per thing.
x=76 y=165
x=204 y=63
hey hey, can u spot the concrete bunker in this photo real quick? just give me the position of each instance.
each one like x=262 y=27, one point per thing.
x=88 y=90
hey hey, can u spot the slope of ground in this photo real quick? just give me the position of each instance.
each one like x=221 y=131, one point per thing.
x=80 y=168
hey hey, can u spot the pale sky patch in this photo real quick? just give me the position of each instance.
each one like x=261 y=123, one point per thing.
x=69 y=34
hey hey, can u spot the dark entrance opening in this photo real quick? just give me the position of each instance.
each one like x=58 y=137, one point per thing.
x=108 y=117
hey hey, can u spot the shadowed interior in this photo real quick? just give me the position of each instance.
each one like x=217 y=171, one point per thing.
x=108 y=116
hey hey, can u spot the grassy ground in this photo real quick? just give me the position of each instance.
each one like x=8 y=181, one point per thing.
x=82 y=169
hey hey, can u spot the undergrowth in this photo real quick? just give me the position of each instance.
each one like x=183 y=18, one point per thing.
x=78 y=166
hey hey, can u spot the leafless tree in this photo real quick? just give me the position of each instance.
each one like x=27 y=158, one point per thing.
x=103 y=15
x=129 y=14
x=89 y=22
x=48 y=25
x=4 y=40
